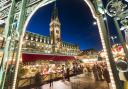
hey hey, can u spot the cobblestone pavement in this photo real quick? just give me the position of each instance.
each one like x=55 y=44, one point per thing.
x=77 y=82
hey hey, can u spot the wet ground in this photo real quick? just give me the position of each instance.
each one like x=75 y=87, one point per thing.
x=77 y=82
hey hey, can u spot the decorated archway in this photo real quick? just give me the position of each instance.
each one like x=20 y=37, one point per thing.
x=22 y=14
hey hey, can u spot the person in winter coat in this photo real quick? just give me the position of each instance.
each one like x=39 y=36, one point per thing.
x=38 y=80
x=68 y=74
x=106 y=75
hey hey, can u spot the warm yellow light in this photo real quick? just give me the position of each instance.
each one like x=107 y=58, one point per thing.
x=89 y=3
x=43 y=3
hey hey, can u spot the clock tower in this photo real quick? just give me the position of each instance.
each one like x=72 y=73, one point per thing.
x=55 y=31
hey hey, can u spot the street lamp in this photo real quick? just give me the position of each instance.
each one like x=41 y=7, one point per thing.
x=94 y=23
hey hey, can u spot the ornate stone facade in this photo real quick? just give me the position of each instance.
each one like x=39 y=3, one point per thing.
x=38 y=43
x=41 y=44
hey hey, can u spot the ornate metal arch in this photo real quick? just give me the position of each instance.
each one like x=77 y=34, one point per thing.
x=29 y=8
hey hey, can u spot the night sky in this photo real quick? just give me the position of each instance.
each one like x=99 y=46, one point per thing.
x=76 y=23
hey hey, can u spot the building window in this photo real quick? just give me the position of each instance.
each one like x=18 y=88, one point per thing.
x=57 y=31
x=36 y=39
x=48 y=41
x=28 y=44
x=31 y=38
x=58 y=39
x=40 y=40
x=44 y=40
x=33 y=44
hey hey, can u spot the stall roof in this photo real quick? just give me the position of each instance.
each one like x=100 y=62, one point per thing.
x=29 y=57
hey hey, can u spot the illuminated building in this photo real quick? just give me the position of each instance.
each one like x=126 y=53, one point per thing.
x=34 y=42
x=88 y=56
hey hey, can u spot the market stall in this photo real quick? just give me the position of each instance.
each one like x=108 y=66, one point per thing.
x=45 y=64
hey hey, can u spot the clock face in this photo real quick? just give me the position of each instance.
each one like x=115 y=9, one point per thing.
x=57 y=31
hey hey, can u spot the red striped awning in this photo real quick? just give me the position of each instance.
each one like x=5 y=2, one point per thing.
x=34 y=57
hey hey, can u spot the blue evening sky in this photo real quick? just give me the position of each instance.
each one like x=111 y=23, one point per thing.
x=76 y=23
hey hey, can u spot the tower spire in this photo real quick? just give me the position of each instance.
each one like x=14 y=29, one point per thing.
x=55 y=4
x=55 y=31
x=54 y=12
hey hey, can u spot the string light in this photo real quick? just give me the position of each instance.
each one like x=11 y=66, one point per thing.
x=102 y=40
x=100 y=32
x=22 y=36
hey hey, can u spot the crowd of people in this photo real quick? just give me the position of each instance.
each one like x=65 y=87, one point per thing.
x=66 y=73
x=99 y=70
